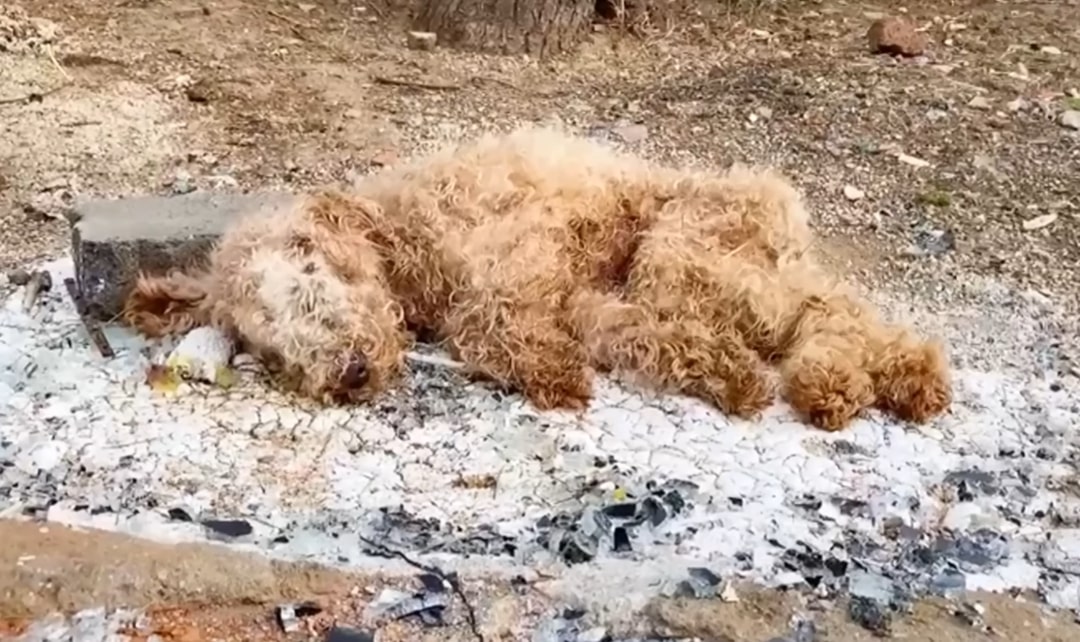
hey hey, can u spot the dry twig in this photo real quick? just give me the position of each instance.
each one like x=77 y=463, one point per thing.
x=417 y=84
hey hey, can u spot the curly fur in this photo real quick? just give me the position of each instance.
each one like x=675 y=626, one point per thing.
x=538 y=258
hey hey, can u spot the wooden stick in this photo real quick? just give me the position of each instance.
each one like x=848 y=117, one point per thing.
x=92 y=328
x=418 y=84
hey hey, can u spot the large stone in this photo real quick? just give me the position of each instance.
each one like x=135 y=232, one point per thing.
x=895 y=35
x=115 y=240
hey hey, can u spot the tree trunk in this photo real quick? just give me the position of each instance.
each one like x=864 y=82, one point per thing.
x=535 y=27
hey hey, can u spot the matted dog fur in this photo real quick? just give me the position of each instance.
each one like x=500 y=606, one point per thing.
x=539 y=258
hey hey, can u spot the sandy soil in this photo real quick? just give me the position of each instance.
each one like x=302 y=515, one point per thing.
x=146 y=96
x=203 y=592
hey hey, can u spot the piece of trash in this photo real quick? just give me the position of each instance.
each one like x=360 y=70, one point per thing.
x=702 y=583
x=229 y=527
x=40 y=282
x=161 y=379
x=203 y=355
x=433 y=583
x=289 y=615
x=287 y=620
x=728 y=593
x=624 y=510
x=179 y=515
x=1039 y=222
x=346 y=634
x=395 y=605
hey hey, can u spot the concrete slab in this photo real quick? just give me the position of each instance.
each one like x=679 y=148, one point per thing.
x=113 y=240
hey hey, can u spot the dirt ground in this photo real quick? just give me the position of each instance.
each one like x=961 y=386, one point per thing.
x=232 y=94
x=144 y=96
x=202 y=592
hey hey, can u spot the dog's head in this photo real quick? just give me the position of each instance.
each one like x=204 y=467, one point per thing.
x=307 y=293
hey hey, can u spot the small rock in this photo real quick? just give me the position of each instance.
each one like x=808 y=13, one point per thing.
x=1050 y=50
x=179 y=515
x=422 y=40
x=18 y=277
x=980 y=103
x=1070 y=118
x=1039 y=222
x=853 y=193
x=631 y=133
x=932 y=243
x=223 y=180
x=181 y=183
x=384 y=159
x=895 y=36
x=198 y=91
x=873 y=600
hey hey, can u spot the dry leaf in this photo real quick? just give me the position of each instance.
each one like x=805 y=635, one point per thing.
x=1040 y=222
x=162 y=379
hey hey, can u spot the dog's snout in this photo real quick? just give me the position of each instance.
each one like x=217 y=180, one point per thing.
x=354 y=374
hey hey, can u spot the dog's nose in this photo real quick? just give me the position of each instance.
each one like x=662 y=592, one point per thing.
x=354 y=374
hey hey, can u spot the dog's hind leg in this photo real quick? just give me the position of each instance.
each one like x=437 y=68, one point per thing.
x=687 y=355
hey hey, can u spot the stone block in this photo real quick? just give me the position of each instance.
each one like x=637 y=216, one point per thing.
x=114 y=240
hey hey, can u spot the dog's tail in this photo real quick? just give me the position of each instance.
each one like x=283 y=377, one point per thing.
x=158 y=306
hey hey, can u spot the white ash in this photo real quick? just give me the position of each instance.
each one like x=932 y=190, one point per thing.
x=985 y=497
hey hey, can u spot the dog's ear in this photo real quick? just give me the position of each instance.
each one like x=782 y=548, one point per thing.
x=161 y=305
x=348 y=231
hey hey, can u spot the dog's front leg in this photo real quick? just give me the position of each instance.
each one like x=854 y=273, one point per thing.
x=522 y=346
x=701 y=359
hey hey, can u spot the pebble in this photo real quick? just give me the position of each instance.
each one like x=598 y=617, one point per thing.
x=421 y=40
x=895 y=35
x=980 y=103
x=18 y=277
x=853 y=193
x=1070 y=118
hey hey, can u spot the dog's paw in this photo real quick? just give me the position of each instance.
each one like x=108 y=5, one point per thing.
x=913 y=383
x=568 y=388
x=747 y=397
x=828 y=393
x=565 y=394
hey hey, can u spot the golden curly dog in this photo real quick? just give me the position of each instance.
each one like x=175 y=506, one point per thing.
x=538 y=258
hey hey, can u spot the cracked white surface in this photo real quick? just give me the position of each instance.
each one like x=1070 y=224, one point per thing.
x=84 y=440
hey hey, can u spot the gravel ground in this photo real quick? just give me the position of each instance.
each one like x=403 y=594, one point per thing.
x=978 y=244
